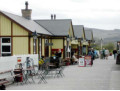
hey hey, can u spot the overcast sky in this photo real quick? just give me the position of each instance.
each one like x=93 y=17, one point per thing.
x=103 y=14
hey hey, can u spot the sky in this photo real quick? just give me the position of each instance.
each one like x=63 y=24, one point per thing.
x=102 y=14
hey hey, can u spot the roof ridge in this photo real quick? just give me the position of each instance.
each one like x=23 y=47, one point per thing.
x=50 y=19
x=78 y=25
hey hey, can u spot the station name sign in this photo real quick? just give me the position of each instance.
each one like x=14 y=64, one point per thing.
x=48 y=44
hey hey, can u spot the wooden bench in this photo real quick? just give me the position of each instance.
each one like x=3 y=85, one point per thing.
x=4 y=79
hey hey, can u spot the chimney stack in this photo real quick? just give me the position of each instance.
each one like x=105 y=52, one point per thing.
x=54 y=16
x=51 y=16
x=26 y=13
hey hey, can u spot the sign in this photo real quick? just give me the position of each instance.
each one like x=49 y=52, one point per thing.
x=48 y=44
x=88 y=60
x=81 y=62
x=18 y=59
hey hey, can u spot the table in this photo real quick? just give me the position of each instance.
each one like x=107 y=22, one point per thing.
x=51 y=66
x=27 y=73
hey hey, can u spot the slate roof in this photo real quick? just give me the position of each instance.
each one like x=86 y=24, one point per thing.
x=58 y=27
x=78 y=30
x=28 y=24
x=88 y=33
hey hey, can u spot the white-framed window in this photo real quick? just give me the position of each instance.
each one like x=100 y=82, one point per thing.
x=5 y=46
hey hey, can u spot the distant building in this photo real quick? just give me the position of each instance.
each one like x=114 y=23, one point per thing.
x=80 y=35
x=60 y=30
x=89 y=39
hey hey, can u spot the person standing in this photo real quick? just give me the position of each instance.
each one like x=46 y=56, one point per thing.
x=90 y=53
x=59 y=53
x=103 y=52
x=106 y=54
x=115 y=53
x=93 y=51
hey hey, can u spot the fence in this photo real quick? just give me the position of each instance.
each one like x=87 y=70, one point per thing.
x=8 y=63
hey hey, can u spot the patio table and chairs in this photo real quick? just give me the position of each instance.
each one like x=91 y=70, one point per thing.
x=28 y=74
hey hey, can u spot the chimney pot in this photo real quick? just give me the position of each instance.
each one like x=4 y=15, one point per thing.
x=26 y=4
x=54 y=16
x=51 y=16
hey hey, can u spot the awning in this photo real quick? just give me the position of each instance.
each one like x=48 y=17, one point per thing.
x=75 y=42
x=85 y=43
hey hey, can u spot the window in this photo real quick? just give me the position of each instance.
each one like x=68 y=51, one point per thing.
x=6 y=46
x=6 y=40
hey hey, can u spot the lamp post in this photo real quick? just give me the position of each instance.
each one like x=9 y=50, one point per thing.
x=118 y=46
x=79 y=47
x=34 y=41
x=101 y=43
x=68 y=49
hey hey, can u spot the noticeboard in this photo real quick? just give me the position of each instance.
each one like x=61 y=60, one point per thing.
x=81 y=62
x=88 y=60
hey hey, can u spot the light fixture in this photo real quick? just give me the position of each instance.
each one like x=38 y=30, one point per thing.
x=34 y=35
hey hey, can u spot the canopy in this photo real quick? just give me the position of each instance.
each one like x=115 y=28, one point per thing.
x=75 y=42
x=85 y=43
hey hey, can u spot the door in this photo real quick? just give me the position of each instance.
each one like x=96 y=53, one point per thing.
x=46 y=48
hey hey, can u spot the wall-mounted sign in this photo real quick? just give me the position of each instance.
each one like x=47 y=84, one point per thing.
x=48 y=44
x=18 y=59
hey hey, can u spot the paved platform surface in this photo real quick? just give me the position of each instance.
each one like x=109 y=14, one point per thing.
x=103 y=75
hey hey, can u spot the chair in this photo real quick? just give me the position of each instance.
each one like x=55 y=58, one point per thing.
x=41 y=76
x=59 y=72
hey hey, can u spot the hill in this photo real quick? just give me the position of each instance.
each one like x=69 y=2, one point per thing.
x=106 y=35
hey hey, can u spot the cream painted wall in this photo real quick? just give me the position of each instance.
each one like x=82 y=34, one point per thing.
x=5 y=24
x=17 y=30
x=50 y=48
x=31 y=45
x=57 y=43
x=20 y=45
x=43 y=47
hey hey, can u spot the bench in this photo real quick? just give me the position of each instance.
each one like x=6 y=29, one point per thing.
x=4 y=79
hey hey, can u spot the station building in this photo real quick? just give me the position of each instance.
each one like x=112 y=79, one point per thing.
x=20 y=35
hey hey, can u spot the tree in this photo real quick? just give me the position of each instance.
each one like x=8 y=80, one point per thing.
x=96 y=46
x=110 y=46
